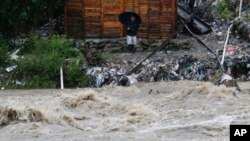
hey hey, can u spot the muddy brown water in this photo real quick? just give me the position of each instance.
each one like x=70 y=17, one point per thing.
x=174 y=111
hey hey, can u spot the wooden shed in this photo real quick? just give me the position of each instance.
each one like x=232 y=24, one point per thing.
x=99 y=18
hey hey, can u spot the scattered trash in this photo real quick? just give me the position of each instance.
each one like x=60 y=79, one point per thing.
x=219 y=36
x=99 y=80
x=123 y=81
x=10 y=69
x=225 y=77
x=14 y=55
x=18 y=42
x=229 y=51
x=248 y=66
x=159 y=69
x=132 y=79
x=154 y=69
x=17 y=82
x=237 y=62
x=242 y=27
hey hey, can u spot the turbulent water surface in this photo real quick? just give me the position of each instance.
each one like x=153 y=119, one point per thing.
x=174 y=111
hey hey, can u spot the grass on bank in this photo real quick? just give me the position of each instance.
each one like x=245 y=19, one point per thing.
x=3 y=51
x=40 y=66
x=224 y=11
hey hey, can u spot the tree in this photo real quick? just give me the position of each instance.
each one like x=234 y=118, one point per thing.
x=17 y=16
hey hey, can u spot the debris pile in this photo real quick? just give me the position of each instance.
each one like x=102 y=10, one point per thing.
x=242 y=26
x=160 y=68
x=237 y=62
x=153 y=70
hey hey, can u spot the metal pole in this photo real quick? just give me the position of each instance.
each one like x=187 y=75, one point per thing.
x=61 y=78
x=225 y=45
x=240 y=8
x=228 y=34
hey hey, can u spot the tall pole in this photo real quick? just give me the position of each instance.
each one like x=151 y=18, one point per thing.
x=61 y=78
x=240 y=8
x=228 y=34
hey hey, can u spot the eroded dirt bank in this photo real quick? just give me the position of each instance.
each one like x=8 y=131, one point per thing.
x=183 y=110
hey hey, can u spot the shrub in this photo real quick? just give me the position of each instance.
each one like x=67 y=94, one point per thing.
x=19 y=16
x=40 y=67
x=224 y=10
x=73 y=75
x=241 y=28
x=3 y=51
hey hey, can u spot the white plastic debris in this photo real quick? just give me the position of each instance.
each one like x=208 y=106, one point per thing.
x=10 y=69
x=14 y=55
x=133 y=79
x=219 y=34
x=122 y=71
x=176 y=66
x=146 y=62
x=248 y=65
x=119 y=73
x=93 y=71
x=19 y=83
x=99 y=80
x=225 y=77
x=19 y=42
x=112 y=70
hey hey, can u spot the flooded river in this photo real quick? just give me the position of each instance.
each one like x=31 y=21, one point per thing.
x=174 y=111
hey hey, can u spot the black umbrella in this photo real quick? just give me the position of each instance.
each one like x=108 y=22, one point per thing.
x=126 y=16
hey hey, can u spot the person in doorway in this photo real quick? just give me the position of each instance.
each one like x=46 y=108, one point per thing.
x=132 y=28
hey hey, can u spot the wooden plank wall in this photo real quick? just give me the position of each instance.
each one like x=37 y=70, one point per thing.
x=168 y=18
x=110 y=13
x=143 y=11
x=93 y=18
x=154 y=19
x=74 y=15
x=99 y=18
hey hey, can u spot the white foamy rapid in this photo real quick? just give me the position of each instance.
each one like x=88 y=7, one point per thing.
x=174 y=111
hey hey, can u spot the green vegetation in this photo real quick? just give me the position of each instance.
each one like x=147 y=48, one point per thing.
x=19 y=16
x=241 y=28
x=216 y=76
x=3 y=51
x=3 y=56
x=42 y=61
x=224 y=10
x=104 y=56
x=74 y=76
